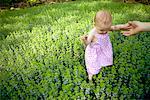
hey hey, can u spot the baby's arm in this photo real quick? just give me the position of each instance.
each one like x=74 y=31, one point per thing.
x=120 y=27
x=90 y=38
x=84 y=39
x=87 y=39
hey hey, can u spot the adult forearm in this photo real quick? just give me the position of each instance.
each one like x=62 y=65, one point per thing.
x=146 y=26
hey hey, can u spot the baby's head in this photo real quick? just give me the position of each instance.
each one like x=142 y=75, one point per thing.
x=102 y=21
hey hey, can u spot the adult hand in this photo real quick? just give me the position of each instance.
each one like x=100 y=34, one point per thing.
x=134 y=28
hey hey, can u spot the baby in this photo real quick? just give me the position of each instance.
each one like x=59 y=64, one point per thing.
x=98 y=51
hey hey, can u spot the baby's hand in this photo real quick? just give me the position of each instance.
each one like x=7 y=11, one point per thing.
x=125 y=26
x=84 y=38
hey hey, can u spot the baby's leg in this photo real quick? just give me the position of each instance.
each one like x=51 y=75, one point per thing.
x=90 y=77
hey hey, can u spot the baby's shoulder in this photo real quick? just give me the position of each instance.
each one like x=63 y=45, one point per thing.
x=93 y=31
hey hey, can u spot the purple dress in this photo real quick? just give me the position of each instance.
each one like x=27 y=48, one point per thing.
x=98 y=54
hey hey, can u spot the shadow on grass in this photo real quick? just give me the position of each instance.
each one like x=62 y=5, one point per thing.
x=11 y=19
x=26 y=19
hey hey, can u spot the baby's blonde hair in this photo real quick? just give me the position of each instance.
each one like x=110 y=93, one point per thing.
x=103 y=20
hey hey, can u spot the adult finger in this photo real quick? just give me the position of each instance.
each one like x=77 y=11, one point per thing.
x=126 y=33
x=131 y=32
x=133 y=23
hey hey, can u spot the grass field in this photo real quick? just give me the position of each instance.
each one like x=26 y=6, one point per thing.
x=41 y=56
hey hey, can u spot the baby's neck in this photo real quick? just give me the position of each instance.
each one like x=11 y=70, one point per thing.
x=101 y=32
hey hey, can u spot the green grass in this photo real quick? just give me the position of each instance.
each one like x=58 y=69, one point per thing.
x=41 y=56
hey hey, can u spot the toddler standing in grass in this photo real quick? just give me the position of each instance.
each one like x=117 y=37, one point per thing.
x=98 y=51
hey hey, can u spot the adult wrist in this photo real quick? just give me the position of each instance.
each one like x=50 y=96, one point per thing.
x=146 y=27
